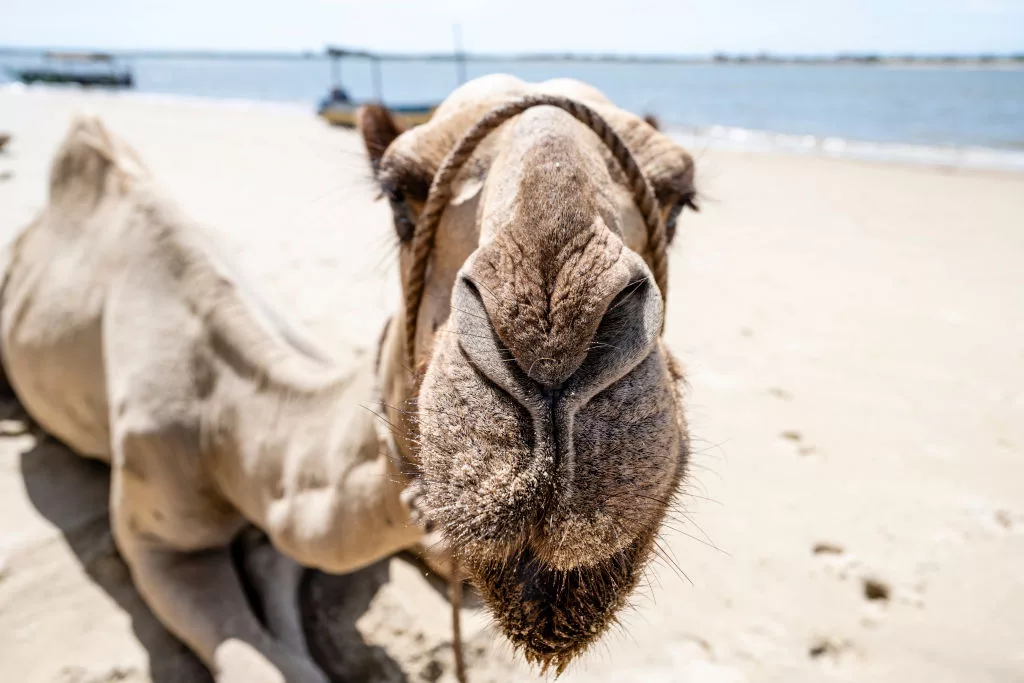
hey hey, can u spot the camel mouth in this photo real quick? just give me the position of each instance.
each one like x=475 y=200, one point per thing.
x=553 y=615
x=551 y=500
x=554 y=521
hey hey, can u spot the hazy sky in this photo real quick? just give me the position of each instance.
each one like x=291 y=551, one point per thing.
x=644 y=26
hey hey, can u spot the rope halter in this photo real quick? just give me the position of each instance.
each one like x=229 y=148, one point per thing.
x=440 y=195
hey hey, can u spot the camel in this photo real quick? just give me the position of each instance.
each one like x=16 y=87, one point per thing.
x=530 y=417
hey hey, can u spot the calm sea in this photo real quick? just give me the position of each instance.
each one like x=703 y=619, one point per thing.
x=955 y=115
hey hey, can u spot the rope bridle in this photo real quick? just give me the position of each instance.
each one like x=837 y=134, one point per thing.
x=438 y=198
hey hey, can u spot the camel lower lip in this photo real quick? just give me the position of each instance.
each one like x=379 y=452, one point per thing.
x=553 y=615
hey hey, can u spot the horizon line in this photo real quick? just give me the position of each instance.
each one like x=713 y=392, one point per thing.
x=329 y=51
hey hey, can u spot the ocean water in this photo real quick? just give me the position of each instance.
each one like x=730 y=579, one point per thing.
x=938 y=115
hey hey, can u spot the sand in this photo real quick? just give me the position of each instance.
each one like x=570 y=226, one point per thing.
x=854 y=339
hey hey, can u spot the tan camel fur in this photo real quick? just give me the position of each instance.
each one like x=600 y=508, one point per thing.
x=547 y=435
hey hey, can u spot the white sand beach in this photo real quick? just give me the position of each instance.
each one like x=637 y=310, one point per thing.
x=854 y=339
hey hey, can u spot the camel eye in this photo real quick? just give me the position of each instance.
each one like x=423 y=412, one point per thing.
x=405 y=225
x=672 y=219
x=672 y=216
x=406 y=189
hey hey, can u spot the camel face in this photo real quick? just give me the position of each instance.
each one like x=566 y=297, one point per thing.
x=551 y=432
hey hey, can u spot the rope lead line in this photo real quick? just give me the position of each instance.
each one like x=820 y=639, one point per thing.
x=455 y=595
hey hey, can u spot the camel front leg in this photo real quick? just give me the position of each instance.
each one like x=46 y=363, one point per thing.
x=199 y=598
x=161 y=525
x=277 y=579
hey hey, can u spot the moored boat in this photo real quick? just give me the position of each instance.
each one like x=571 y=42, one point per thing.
x=90 y=69
x=338 y=109
x=343 y=112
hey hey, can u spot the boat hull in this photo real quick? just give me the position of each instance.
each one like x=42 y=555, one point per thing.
x=345 y=114
x=30 y=76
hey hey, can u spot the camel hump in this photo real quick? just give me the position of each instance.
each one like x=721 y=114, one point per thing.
x=91 y=164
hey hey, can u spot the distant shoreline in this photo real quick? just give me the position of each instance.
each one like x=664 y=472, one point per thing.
x=877 y=109
x=994 y=61
x=696 y=138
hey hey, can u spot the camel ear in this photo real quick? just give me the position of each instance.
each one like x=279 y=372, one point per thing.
x=652 y=121
x=379 y=129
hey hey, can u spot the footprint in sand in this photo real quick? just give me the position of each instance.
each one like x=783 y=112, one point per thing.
x=832 y=653
x=875 y=589
x=798 y=438
x=837 y=561
x=988 y=519
x=877 y=592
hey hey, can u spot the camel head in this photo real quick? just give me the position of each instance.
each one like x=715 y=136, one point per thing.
x=550 y=434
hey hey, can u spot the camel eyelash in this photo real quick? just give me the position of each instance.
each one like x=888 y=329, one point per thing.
x=404 y=223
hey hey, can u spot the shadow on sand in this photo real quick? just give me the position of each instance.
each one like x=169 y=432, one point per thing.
x=72 y=493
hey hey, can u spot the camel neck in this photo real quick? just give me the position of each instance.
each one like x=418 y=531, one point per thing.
x=312 y=468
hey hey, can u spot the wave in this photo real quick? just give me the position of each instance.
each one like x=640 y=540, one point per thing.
x=747 y=140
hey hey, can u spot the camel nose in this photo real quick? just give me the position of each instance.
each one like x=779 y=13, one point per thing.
x=590 y=332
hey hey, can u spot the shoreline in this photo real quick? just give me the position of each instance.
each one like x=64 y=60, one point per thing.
x=719 y=137
x=953 y=157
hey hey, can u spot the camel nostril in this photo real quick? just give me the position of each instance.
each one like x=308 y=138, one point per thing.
x=615 y=313
x=622 y=319
x=538 y=347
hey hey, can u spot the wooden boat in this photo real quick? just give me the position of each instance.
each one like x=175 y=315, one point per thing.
x=342 y=113
x=338 y=109
x=81 y=68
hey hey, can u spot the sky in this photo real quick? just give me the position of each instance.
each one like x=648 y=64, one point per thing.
x=691 y=27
